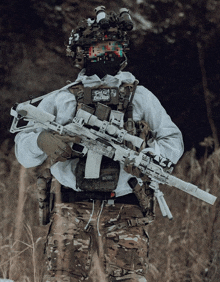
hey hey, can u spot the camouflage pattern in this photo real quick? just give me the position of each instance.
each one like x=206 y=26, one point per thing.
x=97 y=241
x=43 y=195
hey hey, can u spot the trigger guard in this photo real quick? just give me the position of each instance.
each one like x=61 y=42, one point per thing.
x=82 y=152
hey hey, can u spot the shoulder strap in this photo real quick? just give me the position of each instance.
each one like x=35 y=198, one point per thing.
x=128 y=112
x=78 y=91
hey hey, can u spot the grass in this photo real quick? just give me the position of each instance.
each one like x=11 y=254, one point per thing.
x=184 y=249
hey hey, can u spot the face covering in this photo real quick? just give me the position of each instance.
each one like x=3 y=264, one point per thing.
x=104 y=58
x=110 y=64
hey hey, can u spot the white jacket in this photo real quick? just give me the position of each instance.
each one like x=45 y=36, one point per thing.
x=167 y=138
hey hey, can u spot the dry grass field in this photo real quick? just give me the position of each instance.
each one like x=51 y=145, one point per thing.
x=185 y=249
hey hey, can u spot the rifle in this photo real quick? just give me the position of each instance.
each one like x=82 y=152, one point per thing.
x=102 y=138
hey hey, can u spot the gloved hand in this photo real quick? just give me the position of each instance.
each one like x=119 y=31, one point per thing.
x=55 y=145
x=133 y=170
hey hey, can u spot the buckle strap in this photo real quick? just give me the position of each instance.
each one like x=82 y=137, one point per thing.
x=131 y=223
x=139 y=221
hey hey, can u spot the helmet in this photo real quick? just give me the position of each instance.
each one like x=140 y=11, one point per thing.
x=100 y=44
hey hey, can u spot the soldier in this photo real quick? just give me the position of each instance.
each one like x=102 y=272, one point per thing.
x=98 y=226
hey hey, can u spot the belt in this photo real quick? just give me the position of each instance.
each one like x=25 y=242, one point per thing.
x=68 y=195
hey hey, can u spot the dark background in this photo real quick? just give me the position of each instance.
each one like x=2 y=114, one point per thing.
x=175 y=54
x=163 y=55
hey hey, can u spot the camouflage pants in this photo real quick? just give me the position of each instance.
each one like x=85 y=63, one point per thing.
x=94 y=241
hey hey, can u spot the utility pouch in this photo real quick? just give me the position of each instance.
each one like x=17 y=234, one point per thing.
x=145 y=196
x=45 y=197
x=93 y=95
x=107 y=181
x=115 y=97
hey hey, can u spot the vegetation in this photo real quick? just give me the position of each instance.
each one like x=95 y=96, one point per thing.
x=184 y=249
x=176 y=56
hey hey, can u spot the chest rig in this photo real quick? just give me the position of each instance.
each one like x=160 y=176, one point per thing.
x=95 y=172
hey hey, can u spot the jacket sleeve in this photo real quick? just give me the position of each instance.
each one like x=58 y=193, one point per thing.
x=27 y=152
x=167 y=137
x=61 y=104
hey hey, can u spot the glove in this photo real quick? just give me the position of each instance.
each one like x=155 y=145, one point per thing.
x=131 y=169
x=55 y=145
